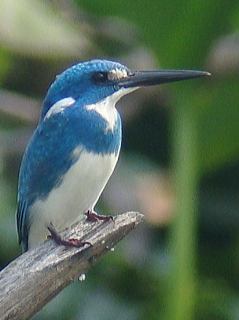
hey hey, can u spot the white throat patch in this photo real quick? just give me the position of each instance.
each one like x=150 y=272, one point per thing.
x=106 y=108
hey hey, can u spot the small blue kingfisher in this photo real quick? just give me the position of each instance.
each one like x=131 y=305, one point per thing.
x=75 y=147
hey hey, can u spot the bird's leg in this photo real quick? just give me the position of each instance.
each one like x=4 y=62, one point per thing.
x=71 y=242
x=93 y=217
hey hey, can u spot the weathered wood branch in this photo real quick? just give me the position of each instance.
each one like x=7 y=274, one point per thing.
x=34 y=278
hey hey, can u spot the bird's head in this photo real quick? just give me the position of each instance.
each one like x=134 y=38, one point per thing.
x=95 y=80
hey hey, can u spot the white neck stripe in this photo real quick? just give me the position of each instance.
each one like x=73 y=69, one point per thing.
x=59 y=106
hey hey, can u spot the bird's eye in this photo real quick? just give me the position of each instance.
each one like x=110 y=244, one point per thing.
x=100 y=77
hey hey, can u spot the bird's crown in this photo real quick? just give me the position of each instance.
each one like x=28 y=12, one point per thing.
x=90 y=81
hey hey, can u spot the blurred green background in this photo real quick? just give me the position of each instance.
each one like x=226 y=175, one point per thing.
x=180 y=154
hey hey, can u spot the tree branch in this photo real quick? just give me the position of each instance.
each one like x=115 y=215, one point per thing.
x=34 y=278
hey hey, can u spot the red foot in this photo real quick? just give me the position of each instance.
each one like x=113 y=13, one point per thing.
x=94 y=217
x=65 y=242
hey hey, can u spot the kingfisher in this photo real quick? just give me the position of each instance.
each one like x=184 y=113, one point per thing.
x=75 y=147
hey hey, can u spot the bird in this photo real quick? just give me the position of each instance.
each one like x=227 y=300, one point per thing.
x=75 y=147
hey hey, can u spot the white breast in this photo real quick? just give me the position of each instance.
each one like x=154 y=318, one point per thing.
x=80 y=190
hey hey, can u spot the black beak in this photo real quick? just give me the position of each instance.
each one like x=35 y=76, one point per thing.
x=151 y=78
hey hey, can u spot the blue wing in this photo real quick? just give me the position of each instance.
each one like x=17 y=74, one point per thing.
x=49 y=156
x=46 y=159
x=22 y=225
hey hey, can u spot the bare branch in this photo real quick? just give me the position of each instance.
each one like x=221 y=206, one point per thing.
x=34 y=278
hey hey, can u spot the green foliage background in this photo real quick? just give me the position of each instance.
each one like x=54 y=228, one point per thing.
x=188 y=267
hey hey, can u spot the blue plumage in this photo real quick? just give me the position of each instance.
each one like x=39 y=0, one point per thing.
x=76 y=145
x=78 y=82
x=49 y=151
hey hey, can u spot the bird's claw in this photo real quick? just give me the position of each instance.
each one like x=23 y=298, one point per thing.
x=94 y=217
x=71 y=242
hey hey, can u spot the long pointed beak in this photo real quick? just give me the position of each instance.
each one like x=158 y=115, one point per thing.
x=151 y=78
